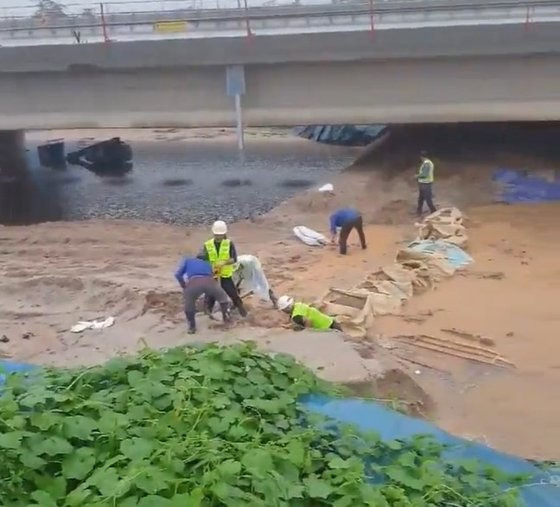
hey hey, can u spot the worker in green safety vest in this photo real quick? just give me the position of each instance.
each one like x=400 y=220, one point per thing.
x=425 y=177
x=220 y=252
x=303 y=315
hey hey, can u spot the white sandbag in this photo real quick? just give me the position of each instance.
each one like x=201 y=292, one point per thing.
x=83 y=325
x=309 y=236
x=250 y=277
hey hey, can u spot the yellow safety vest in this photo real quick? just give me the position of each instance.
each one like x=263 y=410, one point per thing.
x=428 y=176
x=316 y=318
x=222 y=256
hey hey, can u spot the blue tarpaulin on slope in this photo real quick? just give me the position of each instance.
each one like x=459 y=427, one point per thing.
x=520 y=186
x=342 y=135
x=390 y=425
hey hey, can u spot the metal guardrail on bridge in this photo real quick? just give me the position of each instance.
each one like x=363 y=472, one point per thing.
x=138 y=19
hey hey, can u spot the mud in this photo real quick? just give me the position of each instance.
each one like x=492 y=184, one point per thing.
x=55 y=274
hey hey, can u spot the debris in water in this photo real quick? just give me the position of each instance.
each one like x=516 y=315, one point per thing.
x=51 y=154
x=457 y=349
x=109 y=157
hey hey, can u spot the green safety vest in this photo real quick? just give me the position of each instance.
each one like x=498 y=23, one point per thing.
x=426 y=172
x=222 y=256
x=316 y=318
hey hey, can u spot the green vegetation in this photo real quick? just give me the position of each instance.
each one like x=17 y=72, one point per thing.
x=211 y=426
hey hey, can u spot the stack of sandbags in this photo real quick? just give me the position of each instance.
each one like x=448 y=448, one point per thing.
x=445 y=224
x=416 y=268
x=381 y=293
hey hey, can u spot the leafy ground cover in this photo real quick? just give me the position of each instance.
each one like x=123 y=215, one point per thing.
x=211 y=426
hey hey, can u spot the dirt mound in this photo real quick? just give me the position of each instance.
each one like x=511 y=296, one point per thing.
x=168 y=304
x=55 y=295
x=313 y=202
x=265 y=317
x=398 y=390
x=395 y=212
x=398 y=385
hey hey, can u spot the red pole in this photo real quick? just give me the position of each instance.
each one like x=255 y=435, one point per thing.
x=103 y=24
x=247 y=21
x=528 y=18
x=371 y=21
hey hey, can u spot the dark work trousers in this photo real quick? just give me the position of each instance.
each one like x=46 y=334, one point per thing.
x=231 y=290
x=425 y=196
x=336 y=326
x=195 y=288
x=346 y=229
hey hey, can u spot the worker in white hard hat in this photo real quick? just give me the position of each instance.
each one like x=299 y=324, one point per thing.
x=303 y=315
x=220 y=252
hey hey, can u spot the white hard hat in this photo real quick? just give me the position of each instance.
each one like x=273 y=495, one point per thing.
x=285 y=302
x=219 y=227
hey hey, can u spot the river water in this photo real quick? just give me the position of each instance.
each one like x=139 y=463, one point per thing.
x=189 y=182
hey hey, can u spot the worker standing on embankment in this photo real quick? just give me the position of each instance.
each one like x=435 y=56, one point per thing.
x=222 y=255
x=303 y=315
x=425 y=177
x=346 y=219
x=196 y=278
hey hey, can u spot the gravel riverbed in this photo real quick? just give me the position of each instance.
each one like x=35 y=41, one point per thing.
x=189 y=182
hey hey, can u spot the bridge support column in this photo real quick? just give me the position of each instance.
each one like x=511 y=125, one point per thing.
x=235 y=87
x=12 y=152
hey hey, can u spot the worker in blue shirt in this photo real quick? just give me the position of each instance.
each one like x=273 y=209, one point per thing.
x=346 y=219
x=196 y=278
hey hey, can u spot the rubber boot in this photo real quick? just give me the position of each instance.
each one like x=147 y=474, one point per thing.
x=242 y=310
x=226 y=316
x=192 y=322
x=273 y=299
x=208 y=310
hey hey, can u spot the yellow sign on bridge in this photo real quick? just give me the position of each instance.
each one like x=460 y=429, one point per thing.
x=170 y=26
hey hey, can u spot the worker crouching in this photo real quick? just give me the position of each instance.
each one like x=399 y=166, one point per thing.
x=305 y=316
x=196 y=278
x=346 y=220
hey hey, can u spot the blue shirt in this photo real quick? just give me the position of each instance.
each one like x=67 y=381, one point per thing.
x=191 y=268
x=343 y=216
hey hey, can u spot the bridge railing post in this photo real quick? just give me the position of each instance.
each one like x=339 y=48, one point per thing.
x=103 y=22
x=247 y=20
x=528 y=18
x=371 y=21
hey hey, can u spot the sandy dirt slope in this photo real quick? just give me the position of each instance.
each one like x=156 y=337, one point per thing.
x=56 y=274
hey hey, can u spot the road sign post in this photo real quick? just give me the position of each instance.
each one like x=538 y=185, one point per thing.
x=235 y=87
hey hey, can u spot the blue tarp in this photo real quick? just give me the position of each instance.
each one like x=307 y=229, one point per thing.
x=371 y=416
x=521 y=186
x=7 y=367
x=390 y=425
x=455 y=255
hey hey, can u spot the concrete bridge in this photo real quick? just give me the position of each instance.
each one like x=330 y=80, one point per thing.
x=503 y=65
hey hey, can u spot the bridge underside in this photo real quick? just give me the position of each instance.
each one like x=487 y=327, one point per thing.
x=457 y=89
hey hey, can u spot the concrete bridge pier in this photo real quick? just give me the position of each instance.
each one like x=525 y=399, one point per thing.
x=12 y=152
